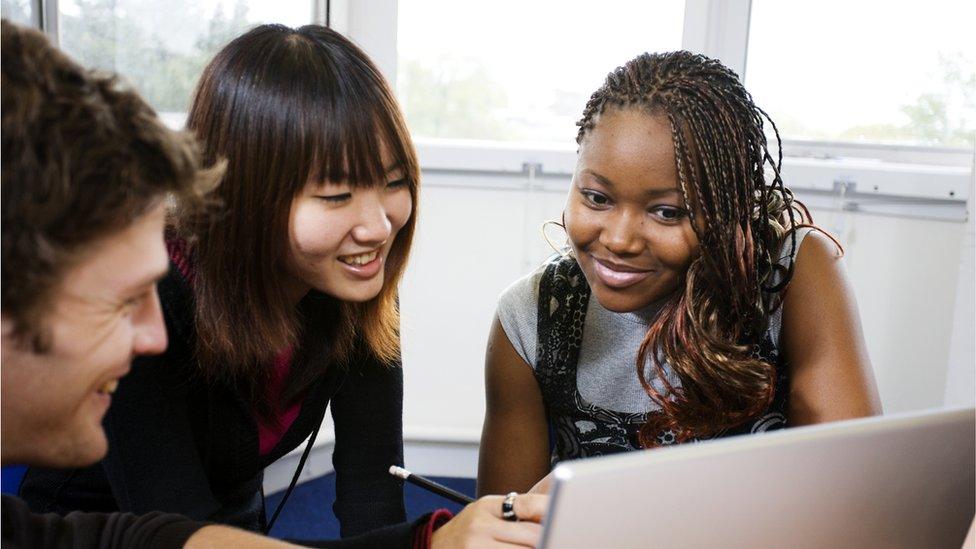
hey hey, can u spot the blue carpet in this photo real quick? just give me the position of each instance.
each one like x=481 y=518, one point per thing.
x=308 y=513
x=10 y=478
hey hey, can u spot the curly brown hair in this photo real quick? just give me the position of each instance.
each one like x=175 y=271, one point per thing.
x=82 y=157
x=707 y=331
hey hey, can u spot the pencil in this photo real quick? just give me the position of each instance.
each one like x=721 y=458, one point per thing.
x=430 y=485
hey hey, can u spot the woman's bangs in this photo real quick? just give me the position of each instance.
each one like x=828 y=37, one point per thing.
x=352 y=134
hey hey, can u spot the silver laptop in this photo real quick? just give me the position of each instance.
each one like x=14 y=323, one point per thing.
x=890 y=481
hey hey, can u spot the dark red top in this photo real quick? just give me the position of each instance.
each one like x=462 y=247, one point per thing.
x=269 y=431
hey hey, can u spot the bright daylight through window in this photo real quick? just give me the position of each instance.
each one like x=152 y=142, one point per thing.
x=161 y=46
x=871 y=71
x=518 y=71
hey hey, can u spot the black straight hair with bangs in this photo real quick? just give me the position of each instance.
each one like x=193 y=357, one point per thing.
x=284 y=108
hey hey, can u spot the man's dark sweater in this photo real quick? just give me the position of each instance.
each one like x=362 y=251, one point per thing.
x=23 y=529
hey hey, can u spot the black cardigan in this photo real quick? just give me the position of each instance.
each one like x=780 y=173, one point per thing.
x=79 y=530
x=21 y=528
x=181 y=445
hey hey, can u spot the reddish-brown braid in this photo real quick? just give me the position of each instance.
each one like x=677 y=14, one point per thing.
x=708 y=330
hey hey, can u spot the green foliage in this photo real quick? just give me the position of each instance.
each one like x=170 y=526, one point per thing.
x=159 y=46
x=18 y=11
x=944 y=116
x=947 y=116
x=456 y=98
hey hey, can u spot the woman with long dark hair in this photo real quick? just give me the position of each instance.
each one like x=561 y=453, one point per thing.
x=280 y=304
x=695 y=299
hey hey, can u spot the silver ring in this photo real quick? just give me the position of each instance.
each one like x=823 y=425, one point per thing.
x=508 y=507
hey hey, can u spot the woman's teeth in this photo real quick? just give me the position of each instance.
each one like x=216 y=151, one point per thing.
x=360 y=259
x=109 y=387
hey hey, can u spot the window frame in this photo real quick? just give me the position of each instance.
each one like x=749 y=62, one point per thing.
x=939 y=178
x=869 y=173
x=46 y=16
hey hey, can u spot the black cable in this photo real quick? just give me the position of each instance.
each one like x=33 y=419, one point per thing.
x=294 y=479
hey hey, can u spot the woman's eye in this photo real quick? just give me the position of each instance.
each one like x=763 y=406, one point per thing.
x=669 y=213
x=334 y=198
x=398 y=184
x=595 y=198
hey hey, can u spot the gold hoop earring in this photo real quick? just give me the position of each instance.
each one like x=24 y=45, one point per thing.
x=563 y=250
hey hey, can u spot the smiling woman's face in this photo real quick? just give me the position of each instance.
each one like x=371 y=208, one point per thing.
x=340 y=237
x=626 y=218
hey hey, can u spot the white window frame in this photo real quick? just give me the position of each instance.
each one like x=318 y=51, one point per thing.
x=44 y=17
x=934 y=182
x=45 y=14
x=915 y=181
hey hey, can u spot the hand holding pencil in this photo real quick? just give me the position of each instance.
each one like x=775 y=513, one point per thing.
x=502 y=521
x=481 y=524
x=430 y=485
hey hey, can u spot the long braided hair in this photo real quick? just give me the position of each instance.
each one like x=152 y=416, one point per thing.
x=708 y=332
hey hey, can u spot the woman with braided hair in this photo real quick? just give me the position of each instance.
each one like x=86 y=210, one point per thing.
x=695 y=299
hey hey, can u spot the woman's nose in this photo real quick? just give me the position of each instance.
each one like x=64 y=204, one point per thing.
x=622 y=234
x=373 y=226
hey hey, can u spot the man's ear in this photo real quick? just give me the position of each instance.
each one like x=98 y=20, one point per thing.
x=10 y=339
x=8 y=331
x=6 y=327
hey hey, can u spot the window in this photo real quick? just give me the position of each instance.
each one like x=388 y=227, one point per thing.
x=161 y=46
x=498 y=86
x=518 y=71
x=873 y=71
x=18 y=11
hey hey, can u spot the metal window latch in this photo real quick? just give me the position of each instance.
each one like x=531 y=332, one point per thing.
x=844 y=187
x=532 y=170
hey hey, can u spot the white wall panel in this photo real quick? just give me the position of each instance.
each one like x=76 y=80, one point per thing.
x=904 y=272
x=468 y=248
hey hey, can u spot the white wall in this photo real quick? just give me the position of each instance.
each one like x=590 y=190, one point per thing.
x=904 y=273
x=468 y=247
x=961 y=377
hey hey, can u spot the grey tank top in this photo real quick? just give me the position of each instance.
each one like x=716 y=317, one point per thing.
x=606 y=373
x=585 y=362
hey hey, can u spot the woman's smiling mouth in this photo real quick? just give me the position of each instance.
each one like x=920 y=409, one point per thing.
x=359 y=259
x=618 y=276
x=363 y=266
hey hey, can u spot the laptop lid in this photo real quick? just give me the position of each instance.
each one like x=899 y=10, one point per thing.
x=903 y=480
